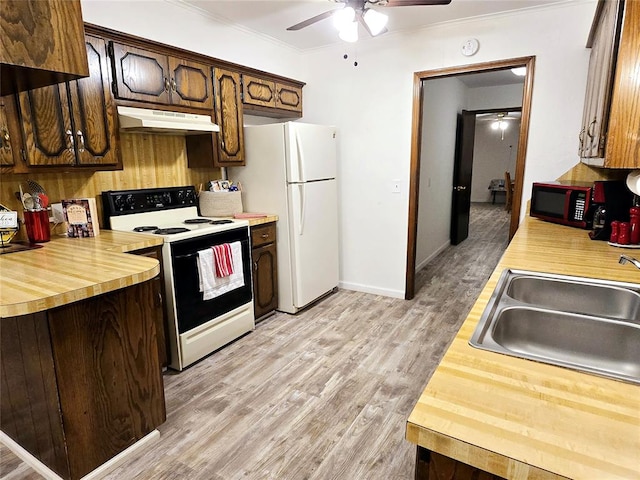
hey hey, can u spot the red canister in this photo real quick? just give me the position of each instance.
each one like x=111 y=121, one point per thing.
x=623 y=233
x=615 y=229
x=634 y=234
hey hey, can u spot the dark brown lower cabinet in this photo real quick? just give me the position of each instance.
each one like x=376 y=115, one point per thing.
x=82 y=382
x=433 y=466
x=162 y=321
x=265 y=271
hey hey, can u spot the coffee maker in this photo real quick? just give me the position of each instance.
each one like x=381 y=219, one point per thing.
x=610 y=200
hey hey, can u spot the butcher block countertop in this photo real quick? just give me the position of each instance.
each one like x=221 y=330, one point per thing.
x=67 y=270
x=523 y=419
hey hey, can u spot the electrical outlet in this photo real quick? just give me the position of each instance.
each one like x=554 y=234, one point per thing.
x=395 y=186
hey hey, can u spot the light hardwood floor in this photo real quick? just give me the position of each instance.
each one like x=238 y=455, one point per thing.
x=321 y=395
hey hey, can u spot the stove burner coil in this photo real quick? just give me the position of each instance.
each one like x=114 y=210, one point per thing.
x=197 y=220
x=145 y=228
x=220 y=222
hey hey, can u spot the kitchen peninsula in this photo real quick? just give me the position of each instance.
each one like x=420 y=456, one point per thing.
x=522 y=419
x=81 y=379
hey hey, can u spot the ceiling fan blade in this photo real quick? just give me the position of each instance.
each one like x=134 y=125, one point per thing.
x=413 y=3
x=366 y=27
x=312 y=20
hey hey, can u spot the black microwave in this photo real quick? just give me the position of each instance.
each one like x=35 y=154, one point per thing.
x=562 y=203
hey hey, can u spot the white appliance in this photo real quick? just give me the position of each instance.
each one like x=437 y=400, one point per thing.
x=145 y=120
x=291 y=171
x=197 y=326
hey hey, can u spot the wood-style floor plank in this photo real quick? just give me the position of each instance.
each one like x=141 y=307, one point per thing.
x=321 y=395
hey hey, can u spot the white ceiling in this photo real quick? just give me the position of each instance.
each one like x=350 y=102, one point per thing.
x=271 y=18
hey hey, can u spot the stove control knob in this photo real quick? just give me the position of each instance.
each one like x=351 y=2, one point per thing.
x=180 y=196
x=166 y=198
x=191 y=196
x=118 y=202
x=130 y=201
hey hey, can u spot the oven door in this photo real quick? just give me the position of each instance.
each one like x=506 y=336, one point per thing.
x=191 y=309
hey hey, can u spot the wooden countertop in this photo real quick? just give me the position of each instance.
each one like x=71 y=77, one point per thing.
x=253 y=222
x=66 y=270
x=523 y=419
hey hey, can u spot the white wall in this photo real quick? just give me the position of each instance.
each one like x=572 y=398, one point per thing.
x=182 y=26
x=492 y=156
x=371 y=105
x=484 y=98
x=443 y=99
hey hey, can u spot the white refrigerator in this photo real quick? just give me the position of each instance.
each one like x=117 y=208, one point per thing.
x=290 y=171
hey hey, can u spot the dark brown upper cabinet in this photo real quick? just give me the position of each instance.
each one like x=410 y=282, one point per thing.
x=41 y=44
x=272 y=98
x=611 y=117
x=73 y=123
x=10 y=138
x=229 y=114
x=146 y=76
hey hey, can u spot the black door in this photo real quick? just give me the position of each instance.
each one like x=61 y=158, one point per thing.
x=463 y=165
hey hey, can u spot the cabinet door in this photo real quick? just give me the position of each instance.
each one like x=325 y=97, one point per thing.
x=94 y=111
x=114 y=396
x=10 y=139
x=41 y=43
x=599 y=83
x=191 y=84
x=46 y=126
x=256 y=91
x=230 y=139
x=265 y=279
x=140 y=74
x=289 y=97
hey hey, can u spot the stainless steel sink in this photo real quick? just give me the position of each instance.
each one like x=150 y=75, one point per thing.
x=579 y=296
x=585 y=324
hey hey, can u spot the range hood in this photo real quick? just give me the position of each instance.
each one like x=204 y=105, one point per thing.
x=144 y=120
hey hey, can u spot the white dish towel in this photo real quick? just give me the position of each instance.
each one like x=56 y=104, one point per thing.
x=212 y=286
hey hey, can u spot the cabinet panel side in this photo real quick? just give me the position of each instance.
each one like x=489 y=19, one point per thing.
x=29 y=406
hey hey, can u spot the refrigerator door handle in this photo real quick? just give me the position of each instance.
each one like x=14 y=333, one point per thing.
x=301 y=209
x=301 y=176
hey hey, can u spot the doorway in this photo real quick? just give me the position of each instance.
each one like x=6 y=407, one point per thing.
x=416 y=145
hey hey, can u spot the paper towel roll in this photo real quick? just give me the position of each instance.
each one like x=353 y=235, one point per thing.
x=633 y=182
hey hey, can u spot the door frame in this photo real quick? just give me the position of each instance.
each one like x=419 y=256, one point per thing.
x=416 y=139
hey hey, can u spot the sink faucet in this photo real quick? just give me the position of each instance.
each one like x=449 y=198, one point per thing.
x=626 y=258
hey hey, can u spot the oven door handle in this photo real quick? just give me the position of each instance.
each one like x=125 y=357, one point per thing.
x=181 y=257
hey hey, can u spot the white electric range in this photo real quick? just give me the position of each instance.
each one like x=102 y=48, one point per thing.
x=196 y=327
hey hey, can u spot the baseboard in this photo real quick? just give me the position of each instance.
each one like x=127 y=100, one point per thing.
x=99 y=472
x=433 y=255
x=386 y=292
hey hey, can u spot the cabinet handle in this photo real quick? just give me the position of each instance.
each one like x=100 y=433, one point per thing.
x=255 y=266
x=265 y=235
x=70 y=138
x=590 y=130
x=80 y=141
x=5 y=139
x=173 y=84
x=166 y=84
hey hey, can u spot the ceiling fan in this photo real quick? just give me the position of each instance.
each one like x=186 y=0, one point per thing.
x=499 y=120
x=354 y=12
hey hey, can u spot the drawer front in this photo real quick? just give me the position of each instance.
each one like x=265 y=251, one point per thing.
x=263 y=234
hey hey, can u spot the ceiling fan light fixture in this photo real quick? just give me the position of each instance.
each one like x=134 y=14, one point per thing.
x=342 y=18
x=376 y=21
x=349 y=32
